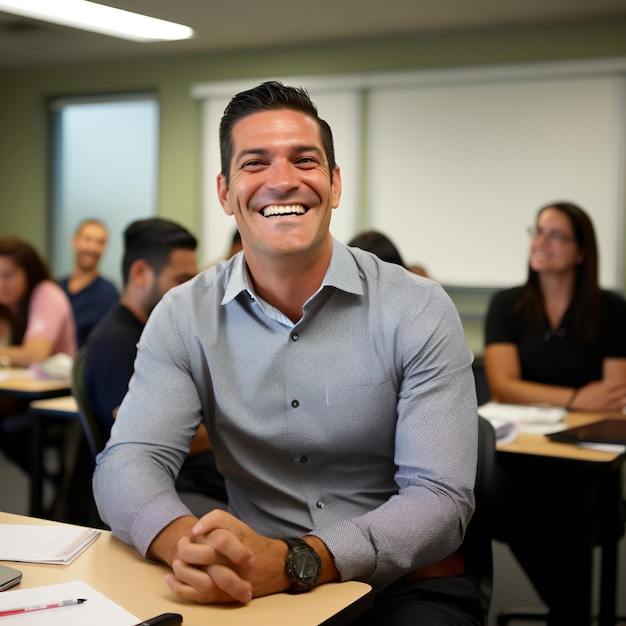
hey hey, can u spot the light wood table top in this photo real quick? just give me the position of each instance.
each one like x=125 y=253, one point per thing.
x=540 y=444
x=21 y=382
x=120 y=573
x=62 y=404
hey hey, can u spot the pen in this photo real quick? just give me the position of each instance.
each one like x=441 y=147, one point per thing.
x=41 y=607
x=166 y=619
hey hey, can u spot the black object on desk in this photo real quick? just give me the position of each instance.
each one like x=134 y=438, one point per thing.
x=165 y=619
x=609 y=430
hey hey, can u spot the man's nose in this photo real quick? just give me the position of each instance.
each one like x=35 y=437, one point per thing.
x=283 y=175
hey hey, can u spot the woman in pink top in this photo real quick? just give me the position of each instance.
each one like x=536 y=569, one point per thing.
x=36 y=319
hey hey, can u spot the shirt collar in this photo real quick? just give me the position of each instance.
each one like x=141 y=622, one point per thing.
x=342 y=273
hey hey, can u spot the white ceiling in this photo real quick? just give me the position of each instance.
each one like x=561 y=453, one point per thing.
x=230 y=24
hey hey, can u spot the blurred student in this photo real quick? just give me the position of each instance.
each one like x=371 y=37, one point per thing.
x=235 y=244
x=559 y=339
x=90 y=294
x=378 y=244
x=36 y=319
x=36 y=322
x=158 y=255
x=420 y=270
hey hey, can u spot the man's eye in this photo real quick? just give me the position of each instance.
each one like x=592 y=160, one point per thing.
x=252 y=164
x=306 y=161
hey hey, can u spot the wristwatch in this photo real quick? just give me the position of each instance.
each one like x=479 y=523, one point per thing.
x=303 y=565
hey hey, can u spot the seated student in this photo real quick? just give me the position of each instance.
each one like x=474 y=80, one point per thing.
x=337 y=390
x=158 y=255
x=559 y=339
x=36 y=322
x=378 y=244
x=36 y=319
x=235 y=245
x=90 y=294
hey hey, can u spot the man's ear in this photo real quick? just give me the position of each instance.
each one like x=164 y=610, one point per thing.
x=336 y=187
x=140 y=272
x=222 y=194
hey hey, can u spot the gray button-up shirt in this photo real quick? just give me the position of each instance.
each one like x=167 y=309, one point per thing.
x=357 y=424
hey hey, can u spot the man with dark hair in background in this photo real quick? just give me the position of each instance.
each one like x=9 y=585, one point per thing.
x=158 y=255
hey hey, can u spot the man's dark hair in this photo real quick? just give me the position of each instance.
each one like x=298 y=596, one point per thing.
x=152 y=240
x=270 y=96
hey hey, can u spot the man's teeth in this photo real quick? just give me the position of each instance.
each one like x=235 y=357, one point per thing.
x=291 y=209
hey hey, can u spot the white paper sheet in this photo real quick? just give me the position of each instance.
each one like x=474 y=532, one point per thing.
x=522 y=413
x=97 y=611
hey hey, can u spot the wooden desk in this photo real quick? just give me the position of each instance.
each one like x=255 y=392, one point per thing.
x=121 y=574
x=62 y=407
x=579 y=491
x=20 y=383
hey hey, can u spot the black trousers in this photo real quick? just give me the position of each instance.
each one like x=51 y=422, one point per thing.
x=451 y=601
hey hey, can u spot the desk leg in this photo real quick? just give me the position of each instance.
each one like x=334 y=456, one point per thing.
x=36 y=465
x=612 y=519
x=547 y=516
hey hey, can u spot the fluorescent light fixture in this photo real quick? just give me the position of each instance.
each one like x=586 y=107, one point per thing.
x=98 y=18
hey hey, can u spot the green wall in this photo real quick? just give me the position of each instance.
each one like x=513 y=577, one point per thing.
x=24 y=94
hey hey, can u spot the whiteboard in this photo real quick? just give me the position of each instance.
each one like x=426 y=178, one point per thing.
x=453 y=164
x=458 y=171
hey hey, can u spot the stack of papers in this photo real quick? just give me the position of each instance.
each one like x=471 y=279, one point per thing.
x=44 y=544
x=512 y=418
x=97 y=610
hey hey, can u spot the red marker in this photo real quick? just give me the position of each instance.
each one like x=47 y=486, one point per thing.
x=41 y=607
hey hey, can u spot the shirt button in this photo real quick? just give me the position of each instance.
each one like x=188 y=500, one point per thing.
x=303 y=459
x=320 y=505
x=295 y=404
x=294 y=336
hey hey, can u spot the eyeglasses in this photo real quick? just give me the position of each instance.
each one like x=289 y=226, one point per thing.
x=552 y=235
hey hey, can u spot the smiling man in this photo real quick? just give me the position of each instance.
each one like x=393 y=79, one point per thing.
x=90 y=294
x=336 y=389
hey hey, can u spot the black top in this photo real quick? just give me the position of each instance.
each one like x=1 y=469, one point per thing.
x=554 y=357
x=109 y=364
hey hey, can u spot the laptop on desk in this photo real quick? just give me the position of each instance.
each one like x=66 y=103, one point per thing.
x=608 y=430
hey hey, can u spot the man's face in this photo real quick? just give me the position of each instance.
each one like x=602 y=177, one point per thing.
x=182 y=266
x=280 y=190
x=89 y=244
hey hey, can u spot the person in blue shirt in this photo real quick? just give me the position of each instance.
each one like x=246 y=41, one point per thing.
x=90 y=294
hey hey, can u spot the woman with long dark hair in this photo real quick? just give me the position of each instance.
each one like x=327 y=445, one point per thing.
x=36 y=319
x=559 y=339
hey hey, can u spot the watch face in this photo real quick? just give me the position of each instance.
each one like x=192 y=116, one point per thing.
x=304 y=567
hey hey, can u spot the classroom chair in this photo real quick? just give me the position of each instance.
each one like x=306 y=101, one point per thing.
x=477 y=547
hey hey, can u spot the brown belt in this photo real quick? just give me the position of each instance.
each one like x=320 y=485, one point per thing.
x=452 y=565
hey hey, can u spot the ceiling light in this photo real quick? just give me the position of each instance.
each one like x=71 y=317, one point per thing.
x=98 y=18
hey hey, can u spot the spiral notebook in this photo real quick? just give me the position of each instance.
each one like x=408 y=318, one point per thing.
x=608 y=430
